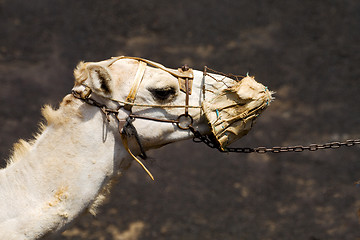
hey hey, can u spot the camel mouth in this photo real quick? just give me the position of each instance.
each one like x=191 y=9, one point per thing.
x=233 y=112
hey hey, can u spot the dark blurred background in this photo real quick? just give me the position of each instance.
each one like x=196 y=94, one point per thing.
x=307 y=51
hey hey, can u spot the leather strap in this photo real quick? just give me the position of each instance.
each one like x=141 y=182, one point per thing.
x=176 y=73
x=181 y=73
x=187 y=92
x=126 y=146
x=136 y=84
x=125 y=133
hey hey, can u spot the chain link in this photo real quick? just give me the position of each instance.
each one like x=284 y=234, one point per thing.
x=311 y=147
x=198 y=138
x=299 y=148
x=210 y=142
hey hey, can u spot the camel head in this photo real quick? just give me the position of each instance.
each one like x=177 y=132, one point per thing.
x=161 y=111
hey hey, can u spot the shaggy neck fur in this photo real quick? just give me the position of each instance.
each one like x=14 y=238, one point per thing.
x=53 y=179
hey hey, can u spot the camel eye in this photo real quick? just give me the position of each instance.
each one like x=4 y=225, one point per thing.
x=162 y=94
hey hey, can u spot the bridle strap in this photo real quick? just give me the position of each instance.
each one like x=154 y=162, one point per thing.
x=124 y=138
x=187 y=92
x=177 y=73
x=126 y=146
x=182 y=73
x=185 y=77
x=136 y=84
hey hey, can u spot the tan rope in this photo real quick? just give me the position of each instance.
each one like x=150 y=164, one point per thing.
x=126 y=146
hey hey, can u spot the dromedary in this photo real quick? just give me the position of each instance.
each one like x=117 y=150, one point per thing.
x=118 y=109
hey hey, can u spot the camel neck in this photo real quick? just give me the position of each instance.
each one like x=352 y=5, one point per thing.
x=58 y=176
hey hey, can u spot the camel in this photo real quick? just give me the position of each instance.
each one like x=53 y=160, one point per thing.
x=118 y=109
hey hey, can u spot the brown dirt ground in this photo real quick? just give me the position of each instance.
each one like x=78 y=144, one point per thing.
x=306 y=51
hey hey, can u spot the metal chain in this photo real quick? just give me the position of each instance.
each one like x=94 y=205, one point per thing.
x=198 y=138
x=312 y=147
x=299 y=148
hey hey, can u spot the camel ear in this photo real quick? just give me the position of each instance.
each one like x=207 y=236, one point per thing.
x=99 y=79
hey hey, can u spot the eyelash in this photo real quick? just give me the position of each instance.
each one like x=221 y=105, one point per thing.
x=163 y=94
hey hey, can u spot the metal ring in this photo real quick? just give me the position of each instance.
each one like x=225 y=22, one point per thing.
x=184 y=121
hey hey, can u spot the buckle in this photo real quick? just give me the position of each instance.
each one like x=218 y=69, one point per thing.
x=184 y=121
